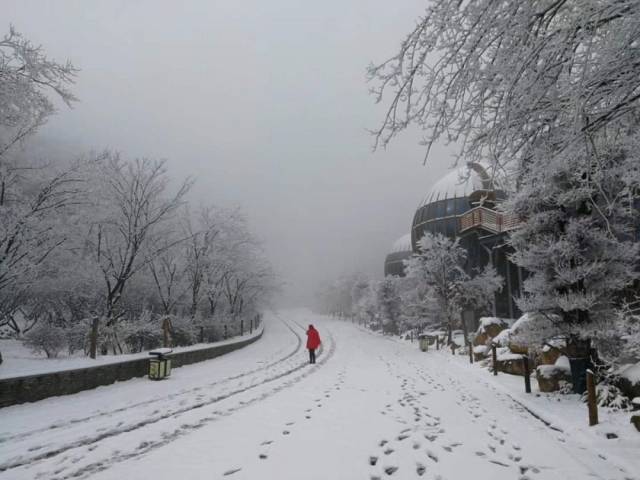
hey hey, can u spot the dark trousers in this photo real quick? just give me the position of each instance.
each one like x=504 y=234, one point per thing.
x=312 y=355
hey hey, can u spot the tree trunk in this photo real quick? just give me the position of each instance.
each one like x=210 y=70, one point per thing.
x=93 y=348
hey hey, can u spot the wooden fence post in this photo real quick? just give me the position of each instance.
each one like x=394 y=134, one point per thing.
x=591 y=399
x=437 y=342
x=241 y=327
x=225 y=332
x=494 y=359
x=527 y=374
x=201 y=333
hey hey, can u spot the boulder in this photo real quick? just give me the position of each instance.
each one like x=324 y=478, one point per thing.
x=489 y=328
x=635 y=419
x=630 y=380
x=519 y=348
x=549 y=355
x=551 y=377
x=480 y=352
x=509 y=362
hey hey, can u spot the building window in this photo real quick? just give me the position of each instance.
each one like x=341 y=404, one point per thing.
x=462 y=205
x=451 y=207
x=430 y=209
x=451 y=225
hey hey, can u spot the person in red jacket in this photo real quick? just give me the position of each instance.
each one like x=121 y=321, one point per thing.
x=313 y=342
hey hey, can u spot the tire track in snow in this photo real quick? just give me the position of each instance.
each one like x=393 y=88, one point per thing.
x=74 y=421
x=40 y=452
x=185 y=428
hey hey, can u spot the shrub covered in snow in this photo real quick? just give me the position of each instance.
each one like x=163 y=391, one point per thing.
x=45 y=338
x=611 y=397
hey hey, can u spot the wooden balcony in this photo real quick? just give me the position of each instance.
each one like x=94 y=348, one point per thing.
x=482 y=217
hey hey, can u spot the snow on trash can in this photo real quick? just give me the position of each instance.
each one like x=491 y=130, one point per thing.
x=423 y=342
x=159 y=364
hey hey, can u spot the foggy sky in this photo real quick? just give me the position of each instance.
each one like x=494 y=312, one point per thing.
x=265 y=103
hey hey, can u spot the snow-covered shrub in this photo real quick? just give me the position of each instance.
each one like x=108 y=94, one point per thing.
x=45 y=338
x=142 y=334
x=183 y=332
x=77 y=337
x=389 y=302
x=565 y=387
x=610 y=396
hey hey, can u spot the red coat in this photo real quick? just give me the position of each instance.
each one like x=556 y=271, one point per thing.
x=313 y=339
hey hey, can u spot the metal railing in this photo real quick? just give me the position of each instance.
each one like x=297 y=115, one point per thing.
x=488 y=219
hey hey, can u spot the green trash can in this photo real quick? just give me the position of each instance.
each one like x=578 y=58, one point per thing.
x=423 y=342
x=160 y=364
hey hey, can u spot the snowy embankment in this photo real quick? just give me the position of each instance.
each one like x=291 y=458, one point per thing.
x=19 y=361
x=371 y=408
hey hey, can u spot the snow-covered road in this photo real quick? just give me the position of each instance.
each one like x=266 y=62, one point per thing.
x=370 y=408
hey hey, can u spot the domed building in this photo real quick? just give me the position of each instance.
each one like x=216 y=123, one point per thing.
x=400 y=251
x=449 y=198
x=462 y=205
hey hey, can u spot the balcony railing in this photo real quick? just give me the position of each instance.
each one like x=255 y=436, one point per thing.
x=488 y=219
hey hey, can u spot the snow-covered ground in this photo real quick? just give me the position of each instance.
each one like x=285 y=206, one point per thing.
x=20 y=361
x=370 y=408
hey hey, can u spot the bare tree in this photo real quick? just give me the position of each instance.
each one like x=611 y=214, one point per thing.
x=135 y=209
x=27 y=77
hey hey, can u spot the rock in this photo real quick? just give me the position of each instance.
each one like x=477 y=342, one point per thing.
x=489 y=328
x=549 y=355
x=630 y=381
x=520 y=348
x=635 y=419
x=611 y=436
x=481 y=352
x=550 y=377
x=512 y=366
x=635 y=403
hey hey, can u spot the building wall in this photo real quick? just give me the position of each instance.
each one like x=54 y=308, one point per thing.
x=440 y=217
x=394 y=263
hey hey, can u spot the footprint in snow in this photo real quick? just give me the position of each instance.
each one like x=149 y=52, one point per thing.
x=420 y=469
x=262 y=456
x=267 y=442
x=231 y=472
x=390 y=470
x=373 y=460
x=432 y=456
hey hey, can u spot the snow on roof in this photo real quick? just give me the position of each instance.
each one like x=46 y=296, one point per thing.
x=403 y=244
x=459 y=183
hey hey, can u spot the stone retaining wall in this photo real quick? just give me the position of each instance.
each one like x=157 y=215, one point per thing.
x=37 y=387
